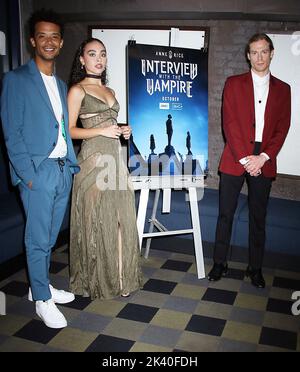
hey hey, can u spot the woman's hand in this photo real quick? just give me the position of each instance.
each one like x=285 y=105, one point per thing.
x=126 y=131
x=113 y=131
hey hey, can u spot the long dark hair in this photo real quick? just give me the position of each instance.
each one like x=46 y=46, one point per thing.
x=78 y=71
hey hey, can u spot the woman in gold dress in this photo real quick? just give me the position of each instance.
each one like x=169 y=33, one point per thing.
x=104 y=253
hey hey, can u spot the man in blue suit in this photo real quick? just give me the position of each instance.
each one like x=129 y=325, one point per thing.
x=42 y=159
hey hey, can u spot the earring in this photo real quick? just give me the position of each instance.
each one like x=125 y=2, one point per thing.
x=81 y=67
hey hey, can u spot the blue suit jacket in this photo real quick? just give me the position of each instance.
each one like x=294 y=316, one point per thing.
x=29 y=123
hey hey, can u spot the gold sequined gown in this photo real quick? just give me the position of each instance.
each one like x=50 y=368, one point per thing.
x=100 y=206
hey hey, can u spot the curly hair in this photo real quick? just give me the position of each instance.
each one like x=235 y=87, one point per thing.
x=45 y=15
x=78 y=71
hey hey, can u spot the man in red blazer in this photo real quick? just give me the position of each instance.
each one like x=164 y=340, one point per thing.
x=256 y=119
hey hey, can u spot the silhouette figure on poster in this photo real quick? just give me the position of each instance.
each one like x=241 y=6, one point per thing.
x=169 y=150
x=169 y=129
x=188 y=143
x=152 y=144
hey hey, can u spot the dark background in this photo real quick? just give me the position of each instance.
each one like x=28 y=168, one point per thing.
x=9 y=24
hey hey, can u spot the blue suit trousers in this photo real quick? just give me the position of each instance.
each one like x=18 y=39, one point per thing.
x=45 y=205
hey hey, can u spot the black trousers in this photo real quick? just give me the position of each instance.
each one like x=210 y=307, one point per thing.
x=258 y=196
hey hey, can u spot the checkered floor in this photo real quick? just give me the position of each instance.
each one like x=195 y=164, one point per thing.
x=174 y=312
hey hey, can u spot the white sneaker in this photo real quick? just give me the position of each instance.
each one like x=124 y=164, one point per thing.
x=58 y=296
x=50 y=314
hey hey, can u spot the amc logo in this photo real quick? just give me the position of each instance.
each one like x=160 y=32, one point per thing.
x=164 y=106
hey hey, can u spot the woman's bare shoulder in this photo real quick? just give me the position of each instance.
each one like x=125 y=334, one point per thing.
x=77 y=91
x=111 y=90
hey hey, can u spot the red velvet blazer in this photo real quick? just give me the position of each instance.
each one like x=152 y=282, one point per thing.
x=239 y=123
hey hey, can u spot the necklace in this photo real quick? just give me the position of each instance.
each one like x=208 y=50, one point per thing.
x=93 y=76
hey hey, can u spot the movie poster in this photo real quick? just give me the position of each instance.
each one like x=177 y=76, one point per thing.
x=168 y=110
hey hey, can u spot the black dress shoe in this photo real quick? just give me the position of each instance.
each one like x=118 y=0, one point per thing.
x=217 y=272
x=256 y=277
